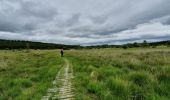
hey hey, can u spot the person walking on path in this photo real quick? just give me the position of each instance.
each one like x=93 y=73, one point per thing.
x=62 y=52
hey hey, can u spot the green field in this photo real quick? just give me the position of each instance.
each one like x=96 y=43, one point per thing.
x=27 y=76
x=99 y=74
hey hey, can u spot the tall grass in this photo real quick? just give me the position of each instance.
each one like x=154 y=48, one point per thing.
x=100 y=74
x=117 y=74
x=27 y=75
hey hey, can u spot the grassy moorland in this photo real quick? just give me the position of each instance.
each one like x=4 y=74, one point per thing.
x=100 y=74
x=27 y=75
x=118 y=74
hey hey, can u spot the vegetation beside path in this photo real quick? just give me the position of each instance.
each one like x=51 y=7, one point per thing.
x=99 y=74
x=27 y=75
x=63 y=87
x=117 y=74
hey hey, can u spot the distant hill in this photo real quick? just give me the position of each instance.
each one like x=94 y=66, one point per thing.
x=20 y=44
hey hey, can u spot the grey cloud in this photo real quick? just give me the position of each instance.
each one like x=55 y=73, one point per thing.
x=131 y=40
x=126 y=20
x=149 y=37
x=35 y=9
x=8 y=27
x=68 y=22
x=75 y=20
x=99 y=31
x=113 y=31
x=82 y=29
x=26 y=16
x=29 y=26
x=98 y=19
x=78 y=35
x=166 y=21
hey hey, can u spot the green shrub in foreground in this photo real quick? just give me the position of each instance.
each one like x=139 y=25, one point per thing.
x=118 y=88
x=142 y=86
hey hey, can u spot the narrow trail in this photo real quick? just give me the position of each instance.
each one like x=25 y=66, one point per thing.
x=62 y=88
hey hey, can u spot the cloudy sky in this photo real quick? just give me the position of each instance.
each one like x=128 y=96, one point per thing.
x=85 y=22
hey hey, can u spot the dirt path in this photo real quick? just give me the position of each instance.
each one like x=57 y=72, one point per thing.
x=62 y=88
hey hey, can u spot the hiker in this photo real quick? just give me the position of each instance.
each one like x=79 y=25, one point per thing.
x=62 y=52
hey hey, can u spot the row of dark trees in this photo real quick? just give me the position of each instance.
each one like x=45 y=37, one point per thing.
x=19 y=44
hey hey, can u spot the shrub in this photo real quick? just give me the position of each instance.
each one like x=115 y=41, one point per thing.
x=139 y=78
x=164 y=74
x=118 y=87
x=97 y=88
x=125 y=47
x=93 y=87
x=142 y=86
x=25 y=83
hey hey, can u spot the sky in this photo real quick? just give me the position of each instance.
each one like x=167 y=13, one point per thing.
x=85 y=22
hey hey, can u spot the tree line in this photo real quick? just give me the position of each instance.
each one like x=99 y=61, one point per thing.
x=20 y=44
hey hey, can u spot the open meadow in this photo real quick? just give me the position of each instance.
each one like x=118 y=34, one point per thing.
x=118 y=74
x=99 y=74
x=84 y=50
x=27 y=75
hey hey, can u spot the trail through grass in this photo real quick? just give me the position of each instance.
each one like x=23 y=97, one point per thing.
x=99 y=74
x=62 y=85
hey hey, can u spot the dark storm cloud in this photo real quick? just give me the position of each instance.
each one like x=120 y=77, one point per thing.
x=34 y=9
x=114 y=31
x=24 y=15
x=166 y=21
x=8 y=27
x=84 y=21
x=73 y=19
x=131 y=40
x=120 y=24
x=95 y=32
x=144 y=38
x=98 y=19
